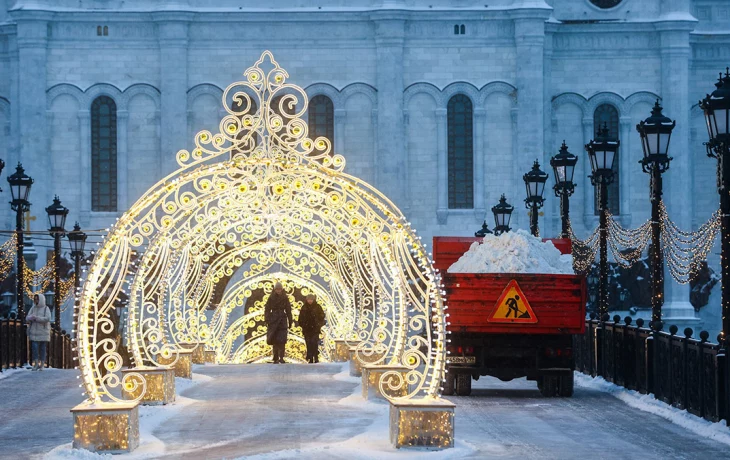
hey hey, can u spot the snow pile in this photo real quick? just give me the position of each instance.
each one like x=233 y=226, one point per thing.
x=513 y=252
x=715 y=431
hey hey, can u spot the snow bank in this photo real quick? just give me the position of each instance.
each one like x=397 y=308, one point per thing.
x=513 y=252
x=8 y=372
x=716 y=431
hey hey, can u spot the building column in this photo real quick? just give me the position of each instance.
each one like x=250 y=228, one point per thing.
x=172 y=30
x=32 y=102
x=480 y=150
x=675 y=76
x=122 y=161
x=442 y=163
x=84 y=116
x=406 y=208
x=389 y=35
x=374 y=178
x=590 y=219
x=626 y=133
x=13 y=138
x=529 y=43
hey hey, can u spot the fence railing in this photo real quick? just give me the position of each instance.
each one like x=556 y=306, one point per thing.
x=678 y=369
x=15 y=350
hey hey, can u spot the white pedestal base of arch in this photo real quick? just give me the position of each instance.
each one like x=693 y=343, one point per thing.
x=341 y=352
x=425 y=422
x=371 y=374
x=358 y=359
x=160 y=385
x=106 y=427
x=199 y=353
x=183 y=366
x=209 y=356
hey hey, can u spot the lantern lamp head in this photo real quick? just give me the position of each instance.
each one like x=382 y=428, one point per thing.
x=716 y=107
x=563 y=165
x=77 y=239
x=20 y=184
x=535 y=181
x=484 y=231
x=502 y=215
x=601 y=153
x=655 y=133
x=57 y=216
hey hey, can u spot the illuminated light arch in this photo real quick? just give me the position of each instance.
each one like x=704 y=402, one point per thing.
x=260 y=179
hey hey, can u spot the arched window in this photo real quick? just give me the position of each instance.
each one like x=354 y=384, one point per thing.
x=456 y=29
x=461 y=152
x=103 y=154
x=606 y=113
x=322 y=118
x=462 y=29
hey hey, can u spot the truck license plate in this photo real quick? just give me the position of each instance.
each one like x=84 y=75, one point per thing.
x=462 y=359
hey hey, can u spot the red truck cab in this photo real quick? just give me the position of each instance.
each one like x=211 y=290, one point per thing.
x=510 y=325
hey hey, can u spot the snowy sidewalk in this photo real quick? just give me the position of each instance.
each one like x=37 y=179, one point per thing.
x=316 y=412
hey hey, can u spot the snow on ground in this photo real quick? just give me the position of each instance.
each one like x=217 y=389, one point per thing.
x=373 y=443
x=8 y=372
x=513 y=252
x=150 y=418
x=716 y=431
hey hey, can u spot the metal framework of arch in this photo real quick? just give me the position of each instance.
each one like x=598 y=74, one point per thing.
x=261 y=201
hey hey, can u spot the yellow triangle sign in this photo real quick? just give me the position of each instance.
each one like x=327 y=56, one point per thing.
x=512 y=307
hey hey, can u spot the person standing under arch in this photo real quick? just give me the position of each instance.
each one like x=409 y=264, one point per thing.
x=278 y=321
x=311 y=320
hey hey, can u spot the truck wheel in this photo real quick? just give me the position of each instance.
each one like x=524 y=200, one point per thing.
x=566 y=385
x=549 y=386
x=449 y=384
x=463 y=384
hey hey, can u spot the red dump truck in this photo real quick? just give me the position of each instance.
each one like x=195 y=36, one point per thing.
x=510 y=325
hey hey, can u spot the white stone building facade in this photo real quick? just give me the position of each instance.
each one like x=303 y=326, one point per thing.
x=535 y=73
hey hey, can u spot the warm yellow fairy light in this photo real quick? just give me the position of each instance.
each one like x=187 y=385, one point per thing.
x=256 y=198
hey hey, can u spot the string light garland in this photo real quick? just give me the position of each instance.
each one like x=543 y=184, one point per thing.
x=584 y=251
x=8 y=251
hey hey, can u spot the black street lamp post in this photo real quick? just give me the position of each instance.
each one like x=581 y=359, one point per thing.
x=20 y=184
x=655 y=133
x=535 y=186
x=564 y=167
x=716 y=107
x=57 y=222
x=77 y=240
x=601 y=153
x=502 y=215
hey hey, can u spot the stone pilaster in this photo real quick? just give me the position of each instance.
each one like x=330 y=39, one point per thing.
x=480 y=150
x=85 y=145
x=529 y=43
x=172 y=28
x=389 y=36
x=122 y=161
x=442 y=163
x=32 y=42
x=674 y=27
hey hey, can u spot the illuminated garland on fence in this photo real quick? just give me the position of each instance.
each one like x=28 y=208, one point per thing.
x=634 y=240
x=684 y=251
x=8 y=252
x=584 y=251
x=38 y=280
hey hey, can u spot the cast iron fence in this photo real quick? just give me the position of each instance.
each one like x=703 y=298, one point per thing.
x=15 y=350
x=679 y=370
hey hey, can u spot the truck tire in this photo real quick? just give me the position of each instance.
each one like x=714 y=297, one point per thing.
x=565 y=386
x=449 y=384
x=463 y=384
x=549 y=387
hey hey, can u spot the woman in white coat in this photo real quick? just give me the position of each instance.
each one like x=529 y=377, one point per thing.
x=39 y=330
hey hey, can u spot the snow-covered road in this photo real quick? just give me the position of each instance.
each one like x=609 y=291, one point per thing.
x=300 y=411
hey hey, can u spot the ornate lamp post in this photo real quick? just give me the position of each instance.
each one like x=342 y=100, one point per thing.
x=482 y=232
x=57 y=221
x=717 y=115
x=20 y=184
x=602 y=152
x=655 y=133
x=502 y=215
x=535 y=185
x=77 y=240
x=563 y=168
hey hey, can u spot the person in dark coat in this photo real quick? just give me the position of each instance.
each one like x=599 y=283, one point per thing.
x=278 y=320
x=311 y=320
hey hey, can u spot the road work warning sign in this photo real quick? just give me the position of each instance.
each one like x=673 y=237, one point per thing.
x=512 y=306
